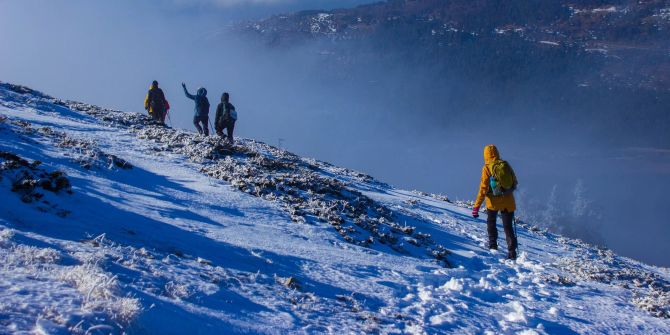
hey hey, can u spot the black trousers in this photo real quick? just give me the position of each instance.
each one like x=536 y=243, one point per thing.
x=508 y=226
x=230 y=127
x=158 y=113
x=204 y=120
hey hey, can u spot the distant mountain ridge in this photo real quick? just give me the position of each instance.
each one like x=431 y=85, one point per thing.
x=628 y=41
x=598 y=67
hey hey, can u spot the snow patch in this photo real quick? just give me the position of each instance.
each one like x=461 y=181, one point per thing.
x=453 y=285
x=518 y=313
x=550 y=43
x=553 y=311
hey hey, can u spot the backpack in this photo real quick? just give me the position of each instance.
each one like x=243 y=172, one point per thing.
x=502 y=177
x=157 y=99
x=233 y=113
x=229 y=113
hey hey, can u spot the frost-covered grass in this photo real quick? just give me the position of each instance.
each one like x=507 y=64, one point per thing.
x=45 y=291
x=99 y=290
x=203 y=237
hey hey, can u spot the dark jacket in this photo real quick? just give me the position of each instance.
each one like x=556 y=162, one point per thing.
x=223 y=114
x=155 y=100
x=201 y=102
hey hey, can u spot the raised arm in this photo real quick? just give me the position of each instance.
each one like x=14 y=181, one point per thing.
x=188 y=95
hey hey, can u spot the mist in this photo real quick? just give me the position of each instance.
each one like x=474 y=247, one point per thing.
x=393 y=122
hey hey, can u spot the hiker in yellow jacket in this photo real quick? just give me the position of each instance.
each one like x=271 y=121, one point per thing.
x=155 y=103
x=495 y=173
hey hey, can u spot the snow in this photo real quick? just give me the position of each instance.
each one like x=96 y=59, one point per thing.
x=663 y=13
x=163 y=231
x=517 y=313
x=599 y=50
x=549 y=43
x=610 y=9
x=453 y=284
x=323 y=23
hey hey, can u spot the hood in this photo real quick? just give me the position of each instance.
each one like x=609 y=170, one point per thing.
x=224 y=97
x=490 y=153
x=202 y=92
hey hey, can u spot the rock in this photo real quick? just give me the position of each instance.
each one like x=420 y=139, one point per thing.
x=291 y=283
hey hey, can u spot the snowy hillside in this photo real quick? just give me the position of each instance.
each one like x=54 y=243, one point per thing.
x=110 y=224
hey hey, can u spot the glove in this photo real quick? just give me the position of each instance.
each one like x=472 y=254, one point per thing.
x=475 y=212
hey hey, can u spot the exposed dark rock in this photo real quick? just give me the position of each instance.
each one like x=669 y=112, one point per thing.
x=28 y=179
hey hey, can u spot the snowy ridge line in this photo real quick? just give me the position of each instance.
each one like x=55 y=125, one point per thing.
x=84 y=152
x=304 y=187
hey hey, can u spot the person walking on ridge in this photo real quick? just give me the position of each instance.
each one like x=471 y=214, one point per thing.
x=155 y=103
x=201 y=118
x=225 y=117
x=497 y=185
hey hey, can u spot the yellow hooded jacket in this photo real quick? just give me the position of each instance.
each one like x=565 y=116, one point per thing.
x=498 y=203
x=146 y=101
x=147 y=105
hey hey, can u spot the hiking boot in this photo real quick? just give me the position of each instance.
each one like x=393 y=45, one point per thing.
x=492 y=246
x=511 y=255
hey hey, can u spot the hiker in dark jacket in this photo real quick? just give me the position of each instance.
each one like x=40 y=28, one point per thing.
x=201 y=118
x=155 y=103
x=225 y=117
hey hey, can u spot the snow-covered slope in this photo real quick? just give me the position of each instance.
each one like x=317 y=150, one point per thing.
x=111 y=224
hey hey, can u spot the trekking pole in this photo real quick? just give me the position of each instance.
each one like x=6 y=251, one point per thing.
x=169 y=119
x=516 y=237
x=211 y=129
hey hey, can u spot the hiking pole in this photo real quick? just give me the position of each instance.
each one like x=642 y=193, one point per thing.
x=169 y=118
x=516 y=237
x=209 y=121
